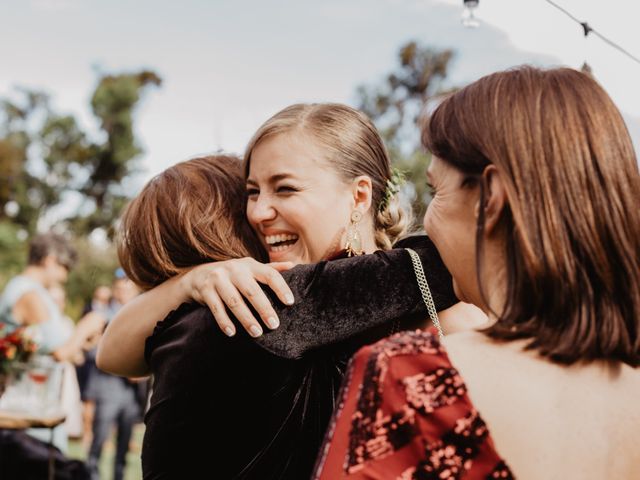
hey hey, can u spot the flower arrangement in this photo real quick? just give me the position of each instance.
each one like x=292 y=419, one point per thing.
x=16 y=345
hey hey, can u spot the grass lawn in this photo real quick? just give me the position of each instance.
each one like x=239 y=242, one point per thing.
x=134 y=469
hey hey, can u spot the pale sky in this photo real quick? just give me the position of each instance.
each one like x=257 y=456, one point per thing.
x=228 y=65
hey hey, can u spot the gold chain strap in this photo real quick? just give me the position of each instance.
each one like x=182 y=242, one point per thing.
x=424 y=290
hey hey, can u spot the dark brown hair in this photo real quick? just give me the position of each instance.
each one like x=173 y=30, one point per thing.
x=192 y=213
x=573 y=219
x=47 y=244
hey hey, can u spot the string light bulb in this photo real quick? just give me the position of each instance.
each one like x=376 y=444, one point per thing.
x=468 y=18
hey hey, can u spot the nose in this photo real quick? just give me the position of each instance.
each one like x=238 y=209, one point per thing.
x=260 y=209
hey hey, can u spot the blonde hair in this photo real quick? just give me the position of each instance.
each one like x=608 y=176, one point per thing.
x=353 y=148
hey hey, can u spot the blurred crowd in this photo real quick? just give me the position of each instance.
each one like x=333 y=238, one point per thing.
x=94 y=403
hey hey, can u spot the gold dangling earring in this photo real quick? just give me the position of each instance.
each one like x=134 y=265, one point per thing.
x=354 y=240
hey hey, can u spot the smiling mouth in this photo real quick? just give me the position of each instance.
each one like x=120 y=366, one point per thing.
x=279 y=243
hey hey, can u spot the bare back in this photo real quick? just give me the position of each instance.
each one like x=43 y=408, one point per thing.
x=550 y=421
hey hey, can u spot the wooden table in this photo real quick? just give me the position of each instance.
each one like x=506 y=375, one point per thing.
x=11 y=420
x=21 y=421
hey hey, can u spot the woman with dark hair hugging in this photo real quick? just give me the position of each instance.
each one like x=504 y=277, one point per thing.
x=318 y=187
x=540 y=165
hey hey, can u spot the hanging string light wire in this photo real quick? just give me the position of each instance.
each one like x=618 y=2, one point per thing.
x=587 y=30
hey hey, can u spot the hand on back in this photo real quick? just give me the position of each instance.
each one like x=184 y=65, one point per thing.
x=235 y=284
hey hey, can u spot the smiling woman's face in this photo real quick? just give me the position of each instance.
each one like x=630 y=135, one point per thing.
x=297 y=203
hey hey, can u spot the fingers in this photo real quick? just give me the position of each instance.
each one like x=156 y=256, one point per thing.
x=272 y=278
x=281 y=266
x=212 y=300
x=251 y=290
x=232 y=298
x=229 y=283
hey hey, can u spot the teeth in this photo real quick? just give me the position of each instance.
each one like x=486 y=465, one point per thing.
x=271 y=239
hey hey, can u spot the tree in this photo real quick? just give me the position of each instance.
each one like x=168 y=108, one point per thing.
x=395 y=106
x=45 y=155
x=13 y=252
x=96 y=266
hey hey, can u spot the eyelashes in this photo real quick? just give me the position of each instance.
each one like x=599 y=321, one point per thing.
x=283 y=189
x=286 y=189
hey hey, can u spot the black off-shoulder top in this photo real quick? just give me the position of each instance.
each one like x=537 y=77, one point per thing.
x=226 y=408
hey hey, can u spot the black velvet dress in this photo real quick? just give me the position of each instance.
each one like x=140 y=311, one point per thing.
x=225 y=408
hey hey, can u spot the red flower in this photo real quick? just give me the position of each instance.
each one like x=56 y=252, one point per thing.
x=14 y=346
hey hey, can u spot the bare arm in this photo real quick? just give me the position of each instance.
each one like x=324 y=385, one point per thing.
x=121 y=348
x=349 y=297
x=88 y=326
x=31 y=310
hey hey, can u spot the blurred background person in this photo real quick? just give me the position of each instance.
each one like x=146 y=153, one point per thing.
x=70 y=398
x=100 y=302
x=116 y=399
x=25 y=301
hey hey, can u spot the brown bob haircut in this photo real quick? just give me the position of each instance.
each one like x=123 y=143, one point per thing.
x=192 y=213
x=572 y=224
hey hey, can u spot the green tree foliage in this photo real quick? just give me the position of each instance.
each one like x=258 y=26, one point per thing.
x=13 y=252
x=45 y=156
x=396 y=104
x=96 y=266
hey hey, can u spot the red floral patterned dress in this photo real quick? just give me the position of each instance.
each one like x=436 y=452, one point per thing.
x=404 y=414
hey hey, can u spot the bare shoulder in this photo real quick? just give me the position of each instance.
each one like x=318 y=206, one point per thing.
x=511 y=364
x=475 y=348
x=530 y=402
x=484 y=363
x=462 y=317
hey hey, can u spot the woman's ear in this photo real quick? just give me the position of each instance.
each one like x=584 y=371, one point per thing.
x=495 y=197
x=362 y=190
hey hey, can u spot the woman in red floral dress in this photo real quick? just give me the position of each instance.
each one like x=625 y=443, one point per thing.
x=540 y=165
